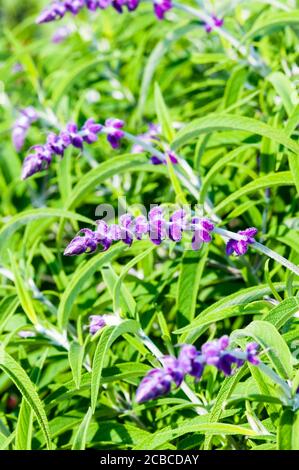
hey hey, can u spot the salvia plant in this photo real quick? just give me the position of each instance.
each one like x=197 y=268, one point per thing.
x=149 y=246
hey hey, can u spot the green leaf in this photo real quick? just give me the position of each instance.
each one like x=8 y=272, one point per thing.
x=163 y=115
x=192 y=267
x=23 y=292
x=25 y=217
x=114 y=166
x=76 y=355
x=224 y=122
x=280 y=314
x=21 y=380
x=288 y=431
x=272 y=22
x=24 y=427
x=285 y=89
x=273 y=343
x=107 y=338
x=156 y=55
x=79 y=278
x=283 y=178
x=80 y=436
x=8 y=306
x=195 y=425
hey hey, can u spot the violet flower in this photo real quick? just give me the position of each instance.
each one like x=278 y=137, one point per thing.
x=37 y=161
x=22 y=125
x=57 y=10
x=61 y=34
x=57 y=144
x=98 y=322
x=113 y=129
x=154 y=385
x=129 y=228
x=215 y=23
x=161 y=7
x=240 y=247
x=192 y=362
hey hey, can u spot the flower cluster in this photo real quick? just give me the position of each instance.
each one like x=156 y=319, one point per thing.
x=129 y=228
x=58 y=9
x=240 y=247
x=56 y=144
x=152 y=136
x=192 y=362
x=21 y=126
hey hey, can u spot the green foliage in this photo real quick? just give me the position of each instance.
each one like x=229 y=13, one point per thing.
x=228 y=106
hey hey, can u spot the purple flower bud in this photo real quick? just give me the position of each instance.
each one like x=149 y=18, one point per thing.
x=97 y=322
x=74 y=6
x=173 y=367
x=126 y=224
x=132 y=4
x=157 y=225
x=61 y=34
x=72 y=135
x=36 y=161
x=212 y=350
x=177 y=225
x=240 y=247
x=191 y=361
x=156 y=160
x=161 y=7
x=215 y=23
x=82 y=244
x=53 y=12
x=115 y=232
x=172 y=157
x=155 y=384
x=202 y=228
x=252 y=351
x=21 y=126
x=102 y=235
x=90 y=131
x=141 y=226
x=114 y=133
x=56 y=143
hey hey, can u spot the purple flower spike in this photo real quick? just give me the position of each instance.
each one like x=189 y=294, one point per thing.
x=155 y=384
x=113 y=129
x=202 y=228
x=90 y=131
x=161 y=7
x=97 y=322
x=240 y=247
x=82 y=244
x=252 y=351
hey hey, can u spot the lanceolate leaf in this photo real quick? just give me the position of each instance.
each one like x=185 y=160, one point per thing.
x=107 y=338
x=26 y=387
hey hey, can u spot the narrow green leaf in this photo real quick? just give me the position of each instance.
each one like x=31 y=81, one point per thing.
x=107 y=338
x=81 y=435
